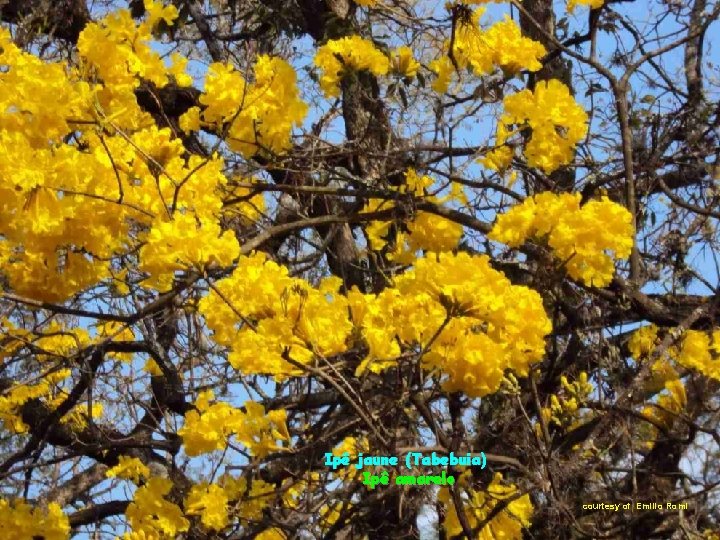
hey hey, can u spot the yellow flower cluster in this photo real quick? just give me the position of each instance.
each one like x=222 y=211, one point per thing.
x=643 y=341
x=580 y=237
x=210 y=426
x=253 y=496
x=19 y=521
x=502 y=45
x=493 y=325
x=426 y=231
x=329 y=514
x=231 y=499
x=182 y=243
x=122 y=53
x=565 y=409
x=348 y=53
x=353 y=446
x=15 y=397
x=272 y=534
x=404 y=63
x=57 y=340
x=77 y=417
x=129 y=468
x=557 y=122
x=670 y=403
x=78 y=144
x=152 y=515
x=210 y=502
x=266 y=316
x=697 y=350
x=698 y=353
x=115 y=331
x=157 y=12
x=32 y=216
x=478 y=505
x=261 y=114
x=54 y=342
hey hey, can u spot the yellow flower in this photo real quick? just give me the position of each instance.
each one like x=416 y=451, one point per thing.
x=157 y=12
x=18 y=520
x=210 y=426
x=500 y=46
x=579 y=236
x=210 y=502
x=262 y=114
x=150 y=513
x=129 y=468
x=478 y=505
x=348 y=53
x=558 y=123
x=404 y=63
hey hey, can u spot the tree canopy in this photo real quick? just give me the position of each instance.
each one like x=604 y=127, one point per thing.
x=240 y=239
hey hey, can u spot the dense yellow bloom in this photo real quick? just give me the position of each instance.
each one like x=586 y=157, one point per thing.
x=558 y=124
x=210 y=426
x=498 y=159
x=263 y=315
x=152 y=514
x=129 y=468
x=697 y=353
x=643 y=341
x=210 y=502
x=443 y=69
x=185 y=242
x=19 y=521
x=426 y=231
x=404 y=63
x=493 y=324
x=262 y=114
x=49 y=250
x=353 y=53
x=249 y=499
x=157 y=12
x=697 y=350
x=58 y=340
x=507 y=524
x=579 y=236
x=500 y=46
x=121 y=52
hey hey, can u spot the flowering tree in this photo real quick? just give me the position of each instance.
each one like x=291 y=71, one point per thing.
x=238 y=237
